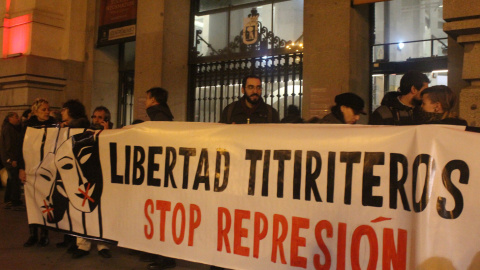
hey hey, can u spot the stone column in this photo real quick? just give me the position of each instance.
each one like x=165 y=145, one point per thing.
x=42 y=52
x=175 y=56
x=336 y=54
x=148 y=52
x=463 y=26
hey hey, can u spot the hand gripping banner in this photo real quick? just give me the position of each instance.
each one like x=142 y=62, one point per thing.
x=273 y=196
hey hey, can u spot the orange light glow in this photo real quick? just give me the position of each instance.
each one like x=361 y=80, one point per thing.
x=17 y=35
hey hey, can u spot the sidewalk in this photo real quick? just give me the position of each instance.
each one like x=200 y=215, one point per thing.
x=13 y=256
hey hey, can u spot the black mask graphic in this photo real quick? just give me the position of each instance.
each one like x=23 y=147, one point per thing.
x=50 y=194
x=78 y=162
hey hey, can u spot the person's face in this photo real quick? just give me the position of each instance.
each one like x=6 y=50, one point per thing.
x=14 y=120
x=98 y=117
x=43 y=112
x=65 y=116
x=418 y=93
x=429 y=106
x=150 y=101
x=349 y=115
x=252 y=90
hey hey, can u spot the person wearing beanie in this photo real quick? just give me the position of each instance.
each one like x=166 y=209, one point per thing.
x=347 y=110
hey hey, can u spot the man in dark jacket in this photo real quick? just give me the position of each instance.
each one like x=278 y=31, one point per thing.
x=401 y=110
x=158 y=110
x=100 y=120
x=11 y=145
x=156 y=104
x=250 y=109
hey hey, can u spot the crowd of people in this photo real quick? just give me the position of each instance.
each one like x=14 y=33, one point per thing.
x=413 y=103
x=72 y=114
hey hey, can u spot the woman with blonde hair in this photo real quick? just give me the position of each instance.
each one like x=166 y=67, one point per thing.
x=40 y=118
x=40 y=114
x=438 y=104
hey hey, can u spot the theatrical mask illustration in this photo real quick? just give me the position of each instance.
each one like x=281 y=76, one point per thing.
x=69 y=180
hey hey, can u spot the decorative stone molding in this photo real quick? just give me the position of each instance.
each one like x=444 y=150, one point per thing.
x=25 y=78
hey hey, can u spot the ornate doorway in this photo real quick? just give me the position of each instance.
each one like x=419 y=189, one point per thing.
x=223 y=53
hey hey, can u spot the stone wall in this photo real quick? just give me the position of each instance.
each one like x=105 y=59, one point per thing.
x=463 y=27
x=336 y=57
x=162 y=54
x=149 y=54
x=43 y=52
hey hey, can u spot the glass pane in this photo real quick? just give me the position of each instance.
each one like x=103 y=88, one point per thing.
x=408 y=20
x=206 y=5
x=438 y=77
x=378 y=86
x=241 y=2
x=129 y=57
x=237 y=17
x=380 y=23
x=440 y=47
x=213 y=36
x=288 y=20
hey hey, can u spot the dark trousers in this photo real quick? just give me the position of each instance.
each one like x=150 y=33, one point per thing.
x=13 y=189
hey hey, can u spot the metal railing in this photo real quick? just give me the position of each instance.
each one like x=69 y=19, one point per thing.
x=402 y=51
x=218 y=84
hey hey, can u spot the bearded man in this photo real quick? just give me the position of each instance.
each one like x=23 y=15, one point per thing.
x=250 y=109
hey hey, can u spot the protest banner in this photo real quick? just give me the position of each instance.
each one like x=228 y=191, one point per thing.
x=272 y=196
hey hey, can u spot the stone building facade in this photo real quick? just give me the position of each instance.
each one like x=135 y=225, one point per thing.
x=50 y=51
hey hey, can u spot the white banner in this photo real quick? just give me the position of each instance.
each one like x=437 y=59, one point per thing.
x=273 y=196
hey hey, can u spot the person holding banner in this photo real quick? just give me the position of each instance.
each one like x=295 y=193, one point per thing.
x=347 y=110
x=437 y=106
x=40 y=118
x=158 y=110
x=250 y=109
x=73 y=116
x=401 y=108
x=100 y=120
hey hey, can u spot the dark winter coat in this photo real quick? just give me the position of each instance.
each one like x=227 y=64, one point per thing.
x=34 y=122
x=330 y=119
x=160 y=112
x=79 y=123
x=449 y=121
x=11 y=144
x=237 y=112
x=393 y=112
